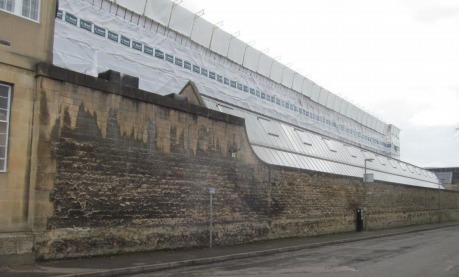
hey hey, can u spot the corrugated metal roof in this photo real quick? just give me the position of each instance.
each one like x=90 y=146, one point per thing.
x=279 y=143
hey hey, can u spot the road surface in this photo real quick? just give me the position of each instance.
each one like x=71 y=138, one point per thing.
x=433 y=253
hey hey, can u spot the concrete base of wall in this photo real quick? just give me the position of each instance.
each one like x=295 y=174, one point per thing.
x=17 y=248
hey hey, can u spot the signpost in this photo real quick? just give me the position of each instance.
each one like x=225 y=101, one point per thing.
x=367 y=178
x=211 y=192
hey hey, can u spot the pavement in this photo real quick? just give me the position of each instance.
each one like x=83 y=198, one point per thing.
x=129 y=264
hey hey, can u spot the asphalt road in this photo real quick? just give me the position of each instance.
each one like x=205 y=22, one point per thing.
x=433 y=253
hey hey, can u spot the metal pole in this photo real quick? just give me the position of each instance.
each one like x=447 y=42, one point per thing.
x=365 y=199
x=365 y=181
x=439 y=202
x=211 y=219
x=365 y=172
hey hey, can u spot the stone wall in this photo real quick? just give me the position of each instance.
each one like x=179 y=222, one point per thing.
x=123 y=170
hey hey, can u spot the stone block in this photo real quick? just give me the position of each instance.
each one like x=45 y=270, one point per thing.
x=25 y=244
x=110 y=75
x=8 y=244
x=130 y=81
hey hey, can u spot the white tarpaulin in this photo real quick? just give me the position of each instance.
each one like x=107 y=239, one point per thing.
x=365 y=119
x=236 y=50
x=264 y=65
x=137 y=6
x=251 y=58
x=315 y=93
x=323 y=97
x=277 y=70
x=287 y=77
x=158 y=10
x=338 y=102
x=307 y=87
x=92 y=39
x=202 y=32
x=344 y=107
x=331 y=100
x=182 y=20
x=359 y=116
x=297 y=82
x=220 y=42
x=371 y=120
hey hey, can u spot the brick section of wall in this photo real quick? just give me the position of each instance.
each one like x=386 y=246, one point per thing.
x=125 y=171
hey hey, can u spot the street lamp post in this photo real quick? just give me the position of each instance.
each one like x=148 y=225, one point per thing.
x=439 y=200
x=366 y=180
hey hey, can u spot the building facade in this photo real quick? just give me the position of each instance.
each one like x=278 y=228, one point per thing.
x=448 y=176
x=29 y=42
x=91 y=167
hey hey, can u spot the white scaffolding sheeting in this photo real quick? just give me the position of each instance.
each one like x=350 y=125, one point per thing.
x=182 y=20
x=251 y=58
x=338 y=103
x=137 y=6
x=236 y=50
x=202 y=32
x=331 y=100
x=277 y=70
x=158 y=10
x=344 y=106
x=298 y=81
x=265 y=65
x=307 y=87
x=365 y=119
x=164 y=60
x=287 y=77
x=220 y=42
x=178 y=19
x=315 y=93
x=323 y=97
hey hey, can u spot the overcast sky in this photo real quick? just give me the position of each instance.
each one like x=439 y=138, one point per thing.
x=398 y=59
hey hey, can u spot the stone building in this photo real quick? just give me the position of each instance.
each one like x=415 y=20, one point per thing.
x=92 y=167
x=449 y=176
x=26 y=38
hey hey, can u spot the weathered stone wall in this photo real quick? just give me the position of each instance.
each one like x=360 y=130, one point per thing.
x=123 y=170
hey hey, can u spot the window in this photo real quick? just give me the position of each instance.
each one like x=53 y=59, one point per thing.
x=368 y=155
x=7 y=5
x=30 y=9
x=225 y=109
x=304 y=137
x=25 y=8
x=269 y=127
x=403 y=166
x=5 y=97
x=351 y=150
x=381 y=159
x=393 y=163
x=330 y=144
